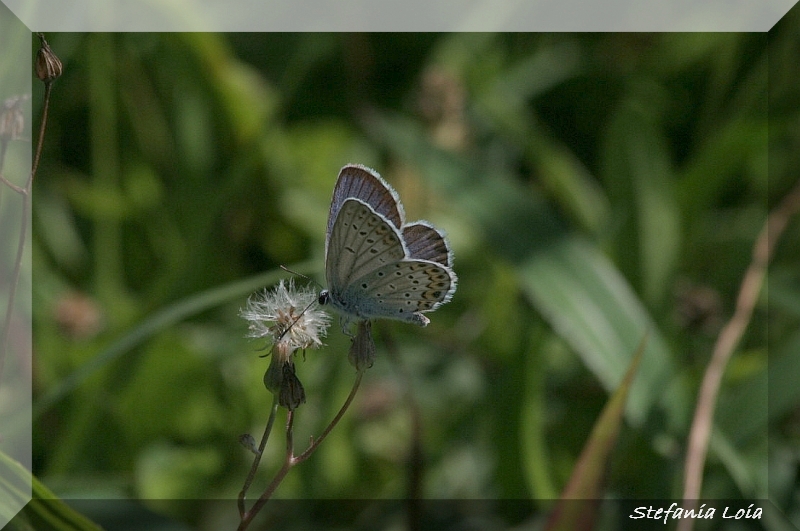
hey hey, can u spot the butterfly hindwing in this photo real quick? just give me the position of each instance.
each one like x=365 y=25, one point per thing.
x=410 y=285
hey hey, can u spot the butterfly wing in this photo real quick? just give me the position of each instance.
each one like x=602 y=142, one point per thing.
x=361 y=241
x=402 y=290
x=424 y=242
x=359 y=182
x=375 y=265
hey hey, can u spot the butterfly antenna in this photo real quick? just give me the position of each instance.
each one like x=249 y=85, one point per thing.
x=304 y=309
x=296 y=319
x=301 y=275
x=272 y=347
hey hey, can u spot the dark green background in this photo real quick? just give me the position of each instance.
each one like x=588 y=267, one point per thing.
x=593 y=186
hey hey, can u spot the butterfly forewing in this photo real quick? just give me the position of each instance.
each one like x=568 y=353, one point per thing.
x=361 y=241
x=359 y=182
x=426 y=243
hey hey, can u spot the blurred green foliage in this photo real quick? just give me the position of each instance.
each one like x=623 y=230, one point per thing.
x=594 y=187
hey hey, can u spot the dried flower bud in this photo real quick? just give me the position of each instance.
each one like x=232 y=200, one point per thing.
x=362 y=349
x=286 y=316
x=248 y=442
x=12 y=118
x=280 y=379
x=292 y=393
x=48 y=66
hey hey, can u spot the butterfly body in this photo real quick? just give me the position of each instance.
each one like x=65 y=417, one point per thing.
x=376 y=265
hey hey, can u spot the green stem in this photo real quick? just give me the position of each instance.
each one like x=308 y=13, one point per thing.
x=253 y=469
x=292 y=460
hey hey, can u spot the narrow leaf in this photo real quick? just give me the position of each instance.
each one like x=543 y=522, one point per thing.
x=577 y=508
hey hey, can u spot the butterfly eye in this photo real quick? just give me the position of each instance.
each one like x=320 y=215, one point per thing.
x=324 y=296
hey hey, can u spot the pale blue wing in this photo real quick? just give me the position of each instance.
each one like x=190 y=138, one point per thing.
x=361 y=241
x=401 y=290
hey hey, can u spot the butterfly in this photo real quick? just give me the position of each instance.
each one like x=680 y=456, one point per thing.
x=376 y=264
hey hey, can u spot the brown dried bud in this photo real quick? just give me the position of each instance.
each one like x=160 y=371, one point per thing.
x=48 y=66
x=280 y=379
x=292 y=393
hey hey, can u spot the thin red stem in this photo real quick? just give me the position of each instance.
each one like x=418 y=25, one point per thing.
x=292 y=460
